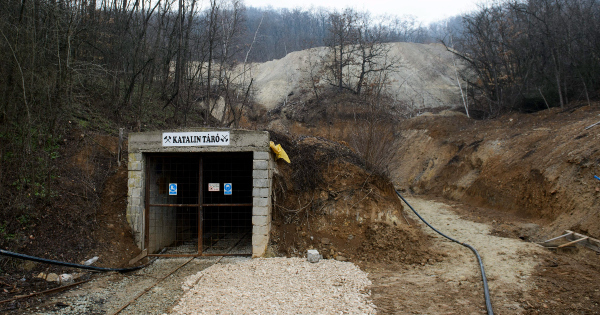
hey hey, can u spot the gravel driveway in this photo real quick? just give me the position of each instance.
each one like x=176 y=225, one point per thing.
x=222 y=285
x=277 y=286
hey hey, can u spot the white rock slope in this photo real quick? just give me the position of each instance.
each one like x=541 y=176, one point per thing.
x=425 y=76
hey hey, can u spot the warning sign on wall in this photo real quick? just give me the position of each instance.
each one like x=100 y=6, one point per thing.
x=227 y=189
x=214 y=187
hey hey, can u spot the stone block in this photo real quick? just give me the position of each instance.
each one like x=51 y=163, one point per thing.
x=135 y=166
x=260 y=192
x=260 y=164
x=260 y=240
x=260 y=220
x=260 y=174
x=261 y=183
x=260 y=230
x=261 y=155
x=259 y=251
x=136 y=192
x=260 y=211
x=313 y=256
x=260 y=202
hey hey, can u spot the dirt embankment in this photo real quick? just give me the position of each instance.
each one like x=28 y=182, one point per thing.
x=83 y=217
x=540 y=166
x=326 y=200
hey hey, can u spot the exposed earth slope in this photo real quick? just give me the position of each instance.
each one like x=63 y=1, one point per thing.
x=540 y=166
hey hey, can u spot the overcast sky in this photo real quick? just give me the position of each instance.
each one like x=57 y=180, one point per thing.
x=425 y=10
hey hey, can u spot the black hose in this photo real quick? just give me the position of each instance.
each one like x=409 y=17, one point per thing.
x=486 y=290
x=66 y=264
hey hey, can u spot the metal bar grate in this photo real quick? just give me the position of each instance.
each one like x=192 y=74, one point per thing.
x=173 y=213
x=227 y=218
x=196 y=218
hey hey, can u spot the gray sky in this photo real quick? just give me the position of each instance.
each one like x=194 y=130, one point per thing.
x=425 y=10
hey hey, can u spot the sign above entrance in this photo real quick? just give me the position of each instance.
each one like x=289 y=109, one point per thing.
x=194 y=139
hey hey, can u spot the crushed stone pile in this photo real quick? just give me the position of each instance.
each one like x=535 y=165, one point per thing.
x=277 y=286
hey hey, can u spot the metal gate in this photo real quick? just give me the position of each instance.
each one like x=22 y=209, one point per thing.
x=199 y=204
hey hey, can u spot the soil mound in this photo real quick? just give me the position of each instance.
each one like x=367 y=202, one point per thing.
x=326 y=200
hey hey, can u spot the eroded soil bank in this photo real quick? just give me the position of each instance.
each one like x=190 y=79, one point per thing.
x=537 y=166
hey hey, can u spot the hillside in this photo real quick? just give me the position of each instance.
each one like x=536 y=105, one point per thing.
x=424 y=76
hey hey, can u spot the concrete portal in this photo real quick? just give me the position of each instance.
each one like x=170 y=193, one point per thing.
x=200 y=191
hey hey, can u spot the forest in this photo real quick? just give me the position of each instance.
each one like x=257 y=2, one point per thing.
x=148 y=64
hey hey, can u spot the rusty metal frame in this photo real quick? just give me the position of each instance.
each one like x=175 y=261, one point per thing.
x=200 y=205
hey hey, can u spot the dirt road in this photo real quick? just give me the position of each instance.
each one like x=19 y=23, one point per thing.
x=453 y=285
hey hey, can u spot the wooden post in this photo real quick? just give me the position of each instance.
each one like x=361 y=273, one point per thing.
x=120 y=147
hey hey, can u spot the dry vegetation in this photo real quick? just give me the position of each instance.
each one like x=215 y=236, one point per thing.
x=353 y=135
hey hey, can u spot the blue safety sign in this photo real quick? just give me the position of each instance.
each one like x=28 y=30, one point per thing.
x=173 y=189
x=227 y=189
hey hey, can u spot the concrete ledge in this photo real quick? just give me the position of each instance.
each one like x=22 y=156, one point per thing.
x=240 y=141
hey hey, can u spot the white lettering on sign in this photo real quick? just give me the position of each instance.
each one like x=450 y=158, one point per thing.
x=214 y=187
x=191 y=139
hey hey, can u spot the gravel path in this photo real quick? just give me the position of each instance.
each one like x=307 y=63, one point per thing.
x=221 y=285
x=109 y=292
x=277 y=286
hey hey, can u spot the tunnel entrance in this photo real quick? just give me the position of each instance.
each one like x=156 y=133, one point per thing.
x=199 y=204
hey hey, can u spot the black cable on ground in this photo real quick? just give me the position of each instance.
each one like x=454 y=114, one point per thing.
x=66 y=264
x=486 y=291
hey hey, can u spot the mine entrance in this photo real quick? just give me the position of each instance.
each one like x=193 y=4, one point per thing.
x=199 y=204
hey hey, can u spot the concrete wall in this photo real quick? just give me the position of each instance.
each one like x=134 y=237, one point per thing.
x=240 y=141
x=262 y=178
x=136 y=195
